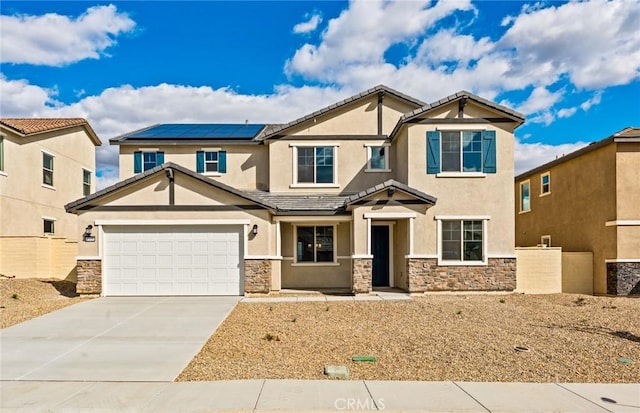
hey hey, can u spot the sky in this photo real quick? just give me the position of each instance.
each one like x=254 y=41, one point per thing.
x=573 y=68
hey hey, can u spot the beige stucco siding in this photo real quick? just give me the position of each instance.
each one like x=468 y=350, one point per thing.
x=490 y=195
x=247 y=165
x=24 y=201
x=582 y=200
x=329 y=275
x=351 y=158
x=628 y=181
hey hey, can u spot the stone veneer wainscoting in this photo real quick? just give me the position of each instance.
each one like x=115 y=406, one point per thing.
x=623 y=278
x=426 y=275
x=257 y=276
x=361 y=275
x=89 y=277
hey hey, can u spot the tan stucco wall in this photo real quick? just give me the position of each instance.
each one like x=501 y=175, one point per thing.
x=539 y=270
x=490 y=195
x=39 y=257
x=155 y=192
x=628 y=181
x=247 y=165
x=317 y=275
x=577 y=272
x=23 y=199
x=581 y=201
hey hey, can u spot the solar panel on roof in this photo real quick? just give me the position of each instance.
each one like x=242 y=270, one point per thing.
x=199 y=131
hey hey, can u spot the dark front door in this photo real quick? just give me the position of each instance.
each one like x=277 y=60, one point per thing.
x=380 y=250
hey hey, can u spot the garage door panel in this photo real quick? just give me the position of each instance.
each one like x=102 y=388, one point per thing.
x=144 y=260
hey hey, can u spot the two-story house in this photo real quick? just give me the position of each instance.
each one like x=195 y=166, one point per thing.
x=378 y=190
x=588 y=200
x=44 y=164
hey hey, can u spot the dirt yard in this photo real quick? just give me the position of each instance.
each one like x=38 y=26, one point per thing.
x=24 y=299
x=570 y=338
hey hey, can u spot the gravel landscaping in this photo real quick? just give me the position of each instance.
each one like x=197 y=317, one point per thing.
x=24 y=299
x=569 y=338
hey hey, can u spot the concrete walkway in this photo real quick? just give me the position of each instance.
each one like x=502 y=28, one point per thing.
x=112 y=339
x=323 y=395
x=301 y=297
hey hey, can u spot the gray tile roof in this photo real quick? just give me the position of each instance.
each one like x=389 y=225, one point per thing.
x=459 y=95
x=75 y=205
x=380 y=88
x=429 y=199
x=286 y=202
x=629 y=134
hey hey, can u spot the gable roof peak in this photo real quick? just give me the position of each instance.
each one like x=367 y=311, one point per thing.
x=33 y=126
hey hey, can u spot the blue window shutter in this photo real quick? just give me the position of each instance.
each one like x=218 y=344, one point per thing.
x=159 y=158
x=137 y=162
x=200 y=162
x=489 y=151
x=433 y=152
x=222 y=162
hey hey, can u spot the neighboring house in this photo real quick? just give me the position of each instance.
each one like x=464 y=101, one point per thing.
x=378 y=190
x=44 y=164
x=588 y=200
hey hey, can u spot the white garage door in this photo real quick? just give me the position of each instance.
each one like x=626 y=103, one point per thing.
x=172 y=260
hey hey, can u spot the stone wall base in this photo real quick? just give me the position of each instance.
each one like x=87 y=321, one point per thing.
x=257 y=276
x=89 y=277
x=426 y=275
x=361 y=275
x=623 y=278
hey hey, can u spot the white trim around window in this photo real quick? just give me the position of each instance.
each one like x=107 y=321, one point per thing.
x=521 y=209
x=53 y=225
x=51 y=170
x=294 y=177
x=315 y=263
x=369 y=147
x=548 y=191
x=545 y=240
x=485 y=238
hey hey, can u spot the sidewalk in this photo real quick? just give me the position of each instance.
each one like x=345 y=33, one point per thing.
x=316 y=395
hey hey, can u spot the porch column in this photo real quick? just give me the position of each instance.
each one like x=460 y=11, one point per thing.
x=361 y=274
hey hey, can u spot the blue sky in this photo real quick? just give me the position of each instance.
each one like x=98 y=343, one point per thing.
x=572 y=68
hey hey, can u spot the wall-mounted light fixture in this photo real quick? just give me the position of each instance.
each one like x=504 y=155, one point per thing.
x=87 y=237
x=254 y=230
x=390 y=192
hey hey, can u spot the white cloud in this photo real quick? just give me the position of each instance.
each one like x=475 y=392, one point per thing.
x=567 y=112
x=55 y=40
x=308 y=26
x=595 y=100
x=540 y=99
x=530 y=155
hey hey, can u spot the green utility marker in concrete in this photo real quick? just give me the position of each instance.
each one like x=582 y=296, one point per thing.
x=370 y=359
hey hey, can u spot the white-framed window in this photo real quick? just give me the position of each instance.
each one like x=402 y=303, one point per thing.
x=48 y=225
x=461 y=151
x=525 y=196
x=149 y=160
x=315 y=244
x=545 y=240
x=463 y=240
x=47 y=169
x=211 y=162
x=545 y=183
x=86 y=182
x=377 y=158
x=315 y=165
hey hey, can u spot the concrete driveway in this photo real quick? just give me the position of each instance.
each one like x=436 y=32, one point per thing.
x=112 y=339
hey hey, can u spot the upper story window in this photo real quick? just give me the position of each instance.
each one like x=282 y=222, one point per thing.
x=462 y=240
x=461 y=151
x=314 y=165
x=86 y=182
x=47 y=169
x=145 y=160
x=377 y=158
x=314 y=244
x=545 y=183
x=525 y=196
x=211 y=161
